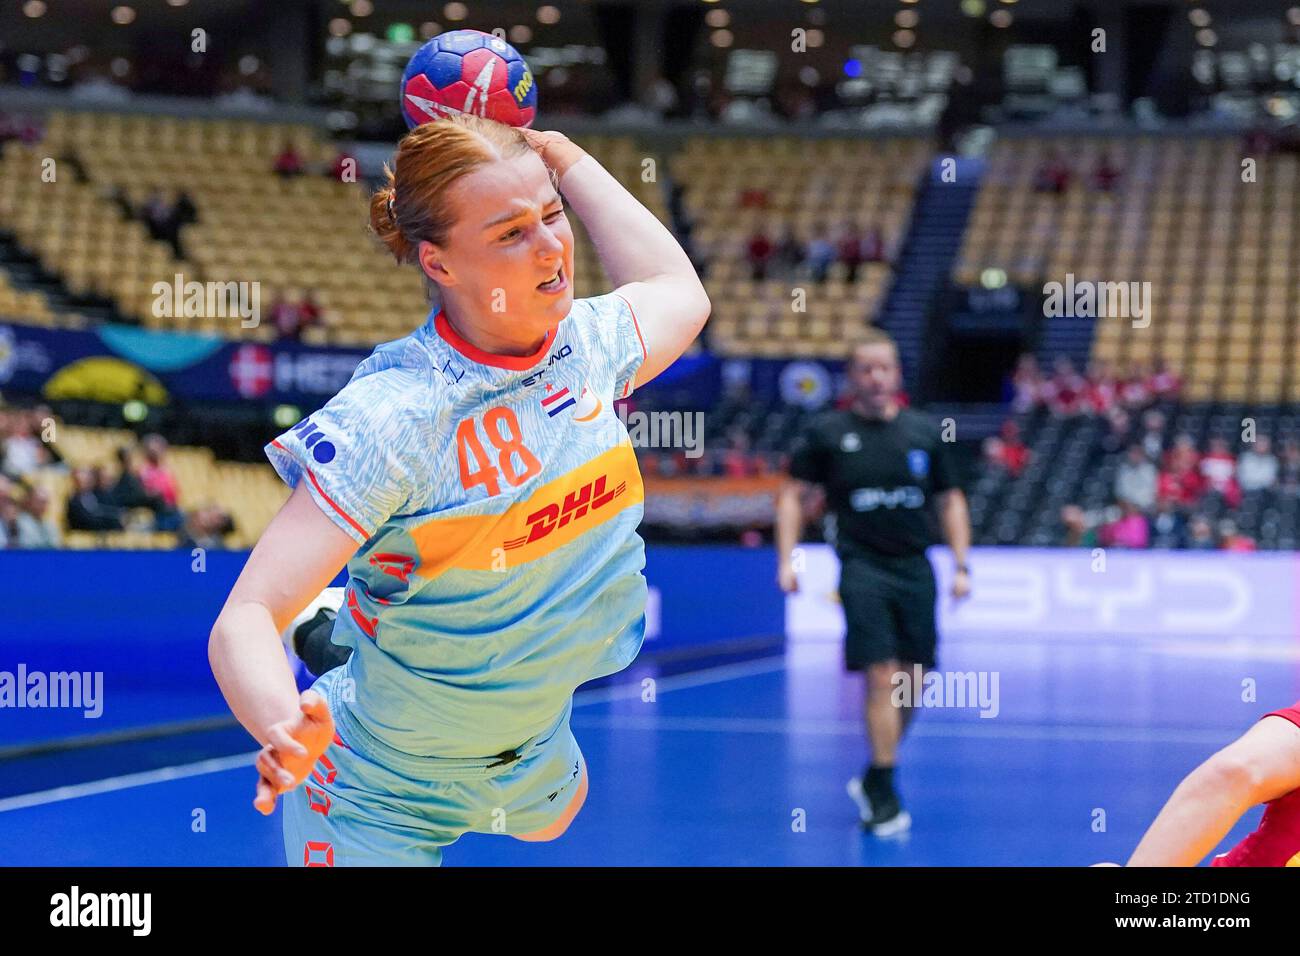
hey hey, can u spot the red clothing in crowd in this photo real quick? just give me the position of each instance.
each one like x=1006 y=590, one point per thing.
x=1182 y=488
x=158 y=480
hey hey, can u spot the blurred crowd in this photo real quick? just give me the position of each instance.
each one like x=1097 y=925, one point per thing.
x=138 y=493
x=1161 y=494
x=1099 y=390
x=1055 y=174
x=784 y=255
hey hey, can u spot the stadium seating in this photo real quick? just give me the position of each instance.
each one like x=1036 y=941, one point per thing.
x=1218 y=251
x=807 y=185
x=305 y=233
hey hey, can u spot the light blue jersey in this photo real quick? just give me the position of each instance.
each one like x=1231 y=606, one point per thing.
x=495 y=502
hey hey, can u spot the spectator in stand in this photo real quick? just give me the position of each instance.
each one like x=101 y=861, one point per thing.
x=1257 y=468
x=1015 y=453
x=309 y=312
x=1129 y=530
x=753 y=197
x=289 y=162
x=1107 y=175
x=1181 y=484
x=344 y=167
x=1026 y=384
x=1102 y=391
x=1118 y=424
x=1168 y=526
x=1064 y=391
x=1076 y=532
x=850 y=251
x=1053 y=176
x=1153 y=433
x=157 y=215
x=159 y=481
x=1165 y=383
x=1136 y=479
x=9 y=530
x=1289 y=468
x=87 y=510
x=1230 y=539
x=1219 y=469
x=789 y=253
x=820 y=254
x=1200 y=535
x=1135 y=391
x=1182 y=455
x=759 y=253
x=35 y=531
x=205 y=528
x=873 y=246
x=23 y=450
x=285 y=316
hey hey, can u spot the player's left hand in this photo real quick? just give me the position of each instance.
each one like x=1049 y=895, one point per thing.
x=961 y=585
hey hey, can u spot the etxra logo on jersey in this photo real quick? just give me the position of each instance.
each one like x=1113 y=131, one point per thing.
x=577 y=504
x=322 y=450
x=557 y=356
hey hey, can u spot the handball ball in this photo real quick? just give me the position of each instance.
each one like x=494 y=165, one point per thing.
x=468 y=71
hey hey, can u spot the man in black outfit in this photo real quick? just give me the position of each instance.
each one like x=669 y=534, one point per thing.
x=884 y=469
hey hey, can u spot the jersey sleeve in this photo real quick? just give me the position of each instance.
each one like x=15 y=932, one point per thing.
x=809 y=458
x=611 y=324
x=943 y=470
x=363 y=454
x=1288 y=713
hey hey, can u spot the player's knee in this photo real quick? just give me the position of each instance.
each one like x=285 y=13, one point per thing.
x=880 y=676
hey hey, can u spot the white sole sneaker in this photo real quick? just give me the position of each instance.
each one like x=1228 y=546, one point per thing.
x=331 y=598
x=859 y=796
x=899 y=824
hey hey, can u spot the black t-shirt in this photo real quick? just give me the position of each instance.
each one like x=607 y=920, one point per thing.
x=880 y=479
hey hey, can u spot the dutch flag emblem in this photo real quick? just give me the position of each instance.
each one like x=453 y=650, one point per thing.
x=557 y=402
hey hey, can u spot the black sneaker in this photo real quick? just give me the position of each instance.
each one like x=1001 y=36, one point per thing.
x=888 y=817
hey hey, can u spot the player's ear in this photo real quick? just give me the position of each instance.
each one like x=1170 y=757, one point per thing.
x=431 y=261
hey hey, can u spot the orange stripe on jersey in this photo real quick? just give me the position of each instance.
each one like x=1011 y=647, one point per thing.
x=316 y=484
x=552 y=516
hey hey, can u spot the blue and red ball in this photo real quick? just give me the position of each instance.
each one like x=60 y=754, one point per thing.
x=468 y=71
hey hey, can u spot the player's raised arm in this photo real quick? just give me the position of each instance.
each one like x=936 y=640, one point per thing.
x=647 y=265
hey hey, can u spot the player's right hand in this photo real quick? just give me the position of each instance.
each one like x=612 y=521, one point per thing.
x=786 y=579
x=292 y=749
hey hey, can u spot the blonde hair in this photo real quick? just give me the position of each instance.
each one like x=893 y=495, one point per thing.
x=415 y=206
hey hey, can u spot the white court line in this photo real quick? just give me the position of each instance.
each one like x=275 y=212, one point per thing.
x=127 y=781
x=712 y=675
x=987 y=729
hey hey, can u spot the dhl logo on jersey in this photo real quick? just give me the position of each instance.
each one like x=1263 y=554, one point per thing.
x=553 y=515
x=589 y=497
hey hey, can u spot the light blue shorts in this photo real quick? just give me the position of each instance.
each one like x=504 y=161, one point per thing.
x=367 y=805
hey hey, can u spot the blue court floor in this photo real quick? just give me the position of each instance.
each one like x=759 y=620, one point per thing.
x=745 y=764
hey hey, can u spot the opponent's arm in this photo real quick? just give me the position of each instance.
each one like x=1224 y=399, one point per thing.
x=647 y=265
x=297 y=556
x=1262 y=765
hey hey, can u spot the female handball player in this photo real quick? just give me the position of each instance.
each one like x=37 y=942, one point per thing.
x=475 y=480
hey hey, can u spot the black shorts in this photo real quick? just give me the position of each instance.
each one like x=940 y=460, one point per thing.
x=889 y=610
